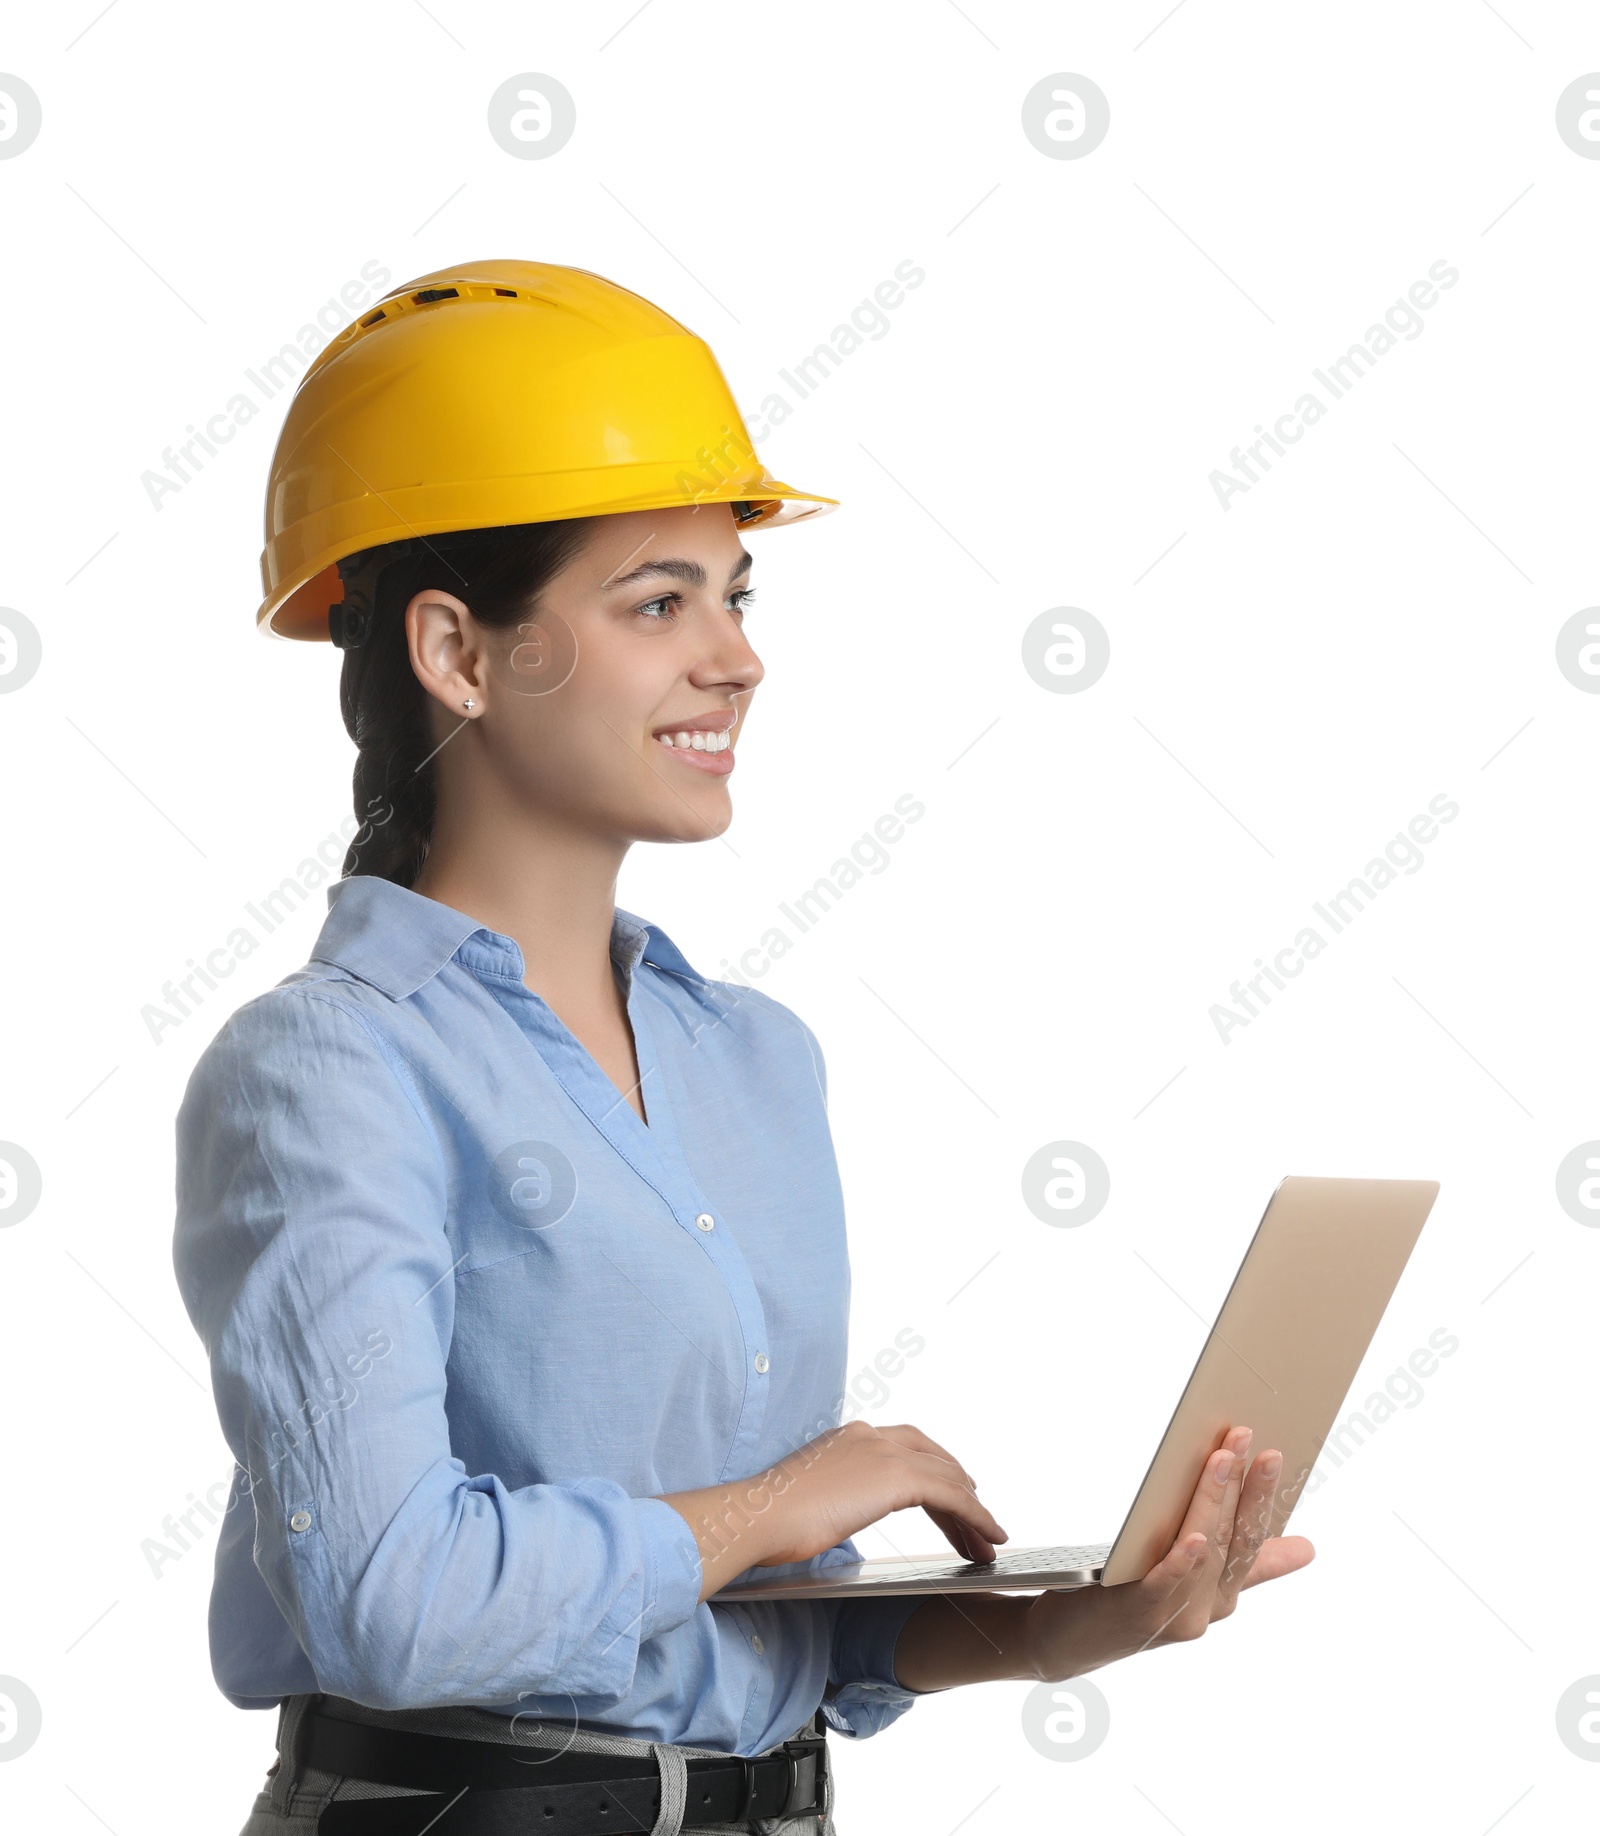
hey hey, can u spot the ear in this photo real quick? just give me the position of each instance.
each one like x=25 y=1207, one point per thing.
x=447 y=650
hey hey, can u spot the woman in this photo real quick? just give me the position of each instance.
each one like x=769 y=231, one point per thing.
x=516 y=1243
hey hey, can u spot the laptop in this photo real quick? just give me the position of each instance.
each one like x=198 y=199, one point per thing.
x=1280 y=1359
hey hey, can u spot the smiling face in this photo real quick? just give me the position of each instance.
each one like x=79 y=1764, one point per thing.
x=614 y=709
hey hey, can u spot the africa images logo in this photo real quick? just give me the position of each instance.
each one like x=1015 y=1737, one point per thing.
x=1401 y=855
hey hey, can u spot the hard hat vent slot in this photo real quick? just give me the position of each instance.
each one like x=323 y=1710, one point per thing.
x=429 y=294
x=506 y=293
x=372 y=318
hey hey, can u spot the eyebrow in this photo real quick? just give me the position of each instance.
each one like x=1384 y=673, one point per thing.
x=690 y=572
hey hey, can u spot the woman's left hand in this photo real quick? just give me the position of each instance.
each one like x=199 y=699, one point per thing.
x=1221 y=1549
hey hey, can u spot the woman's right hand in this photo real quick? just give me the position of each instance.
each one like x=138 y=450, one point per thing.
x=829 y=1489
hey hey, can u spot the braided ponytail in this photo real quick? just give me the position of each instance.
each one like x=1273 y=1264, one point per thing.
x=498 y=573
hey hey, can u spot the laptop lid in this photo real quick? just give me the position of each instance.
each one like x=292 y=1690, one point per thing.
x=1284 y=1349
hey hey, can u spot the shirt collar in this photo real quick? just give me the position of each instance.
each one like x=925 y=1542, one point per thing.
x=398 y=940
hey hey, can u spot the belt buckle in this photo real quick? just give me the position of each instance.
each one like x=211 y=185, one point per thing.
x=795 y=1751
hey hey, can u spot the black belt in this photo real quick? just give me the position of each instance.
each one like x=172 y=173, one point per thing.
x=491 y=1788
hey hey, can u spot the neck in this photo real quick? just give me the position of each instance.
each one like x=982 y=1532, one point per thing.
x=549 y=887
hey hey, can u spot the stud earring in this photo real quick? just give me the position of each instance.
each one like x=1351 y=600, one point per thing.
x=469 y=704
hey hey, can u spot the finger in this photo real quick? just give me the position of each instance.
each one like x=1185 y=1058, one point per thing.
x=1251 y=1521
x=1280 y=1555
x=964 y=1538
x=1205 y=1504
x=1178 y=1565
x=941 y=1494
x=1237 y=1442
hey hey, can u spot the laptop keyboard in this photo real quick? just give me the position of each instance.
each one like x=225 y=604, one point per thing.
x=1015 y=1562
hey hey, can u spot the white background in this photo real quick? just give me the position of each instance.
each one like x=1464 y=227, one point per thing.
x=1291 y=680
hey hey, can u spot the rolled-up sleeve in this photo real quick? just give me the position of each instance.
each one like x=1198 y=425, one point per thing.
x=863 y=1695
x=313 y=1257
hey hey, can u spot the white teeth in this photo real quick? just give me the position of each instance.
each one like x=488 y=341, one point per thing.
x=697 y=741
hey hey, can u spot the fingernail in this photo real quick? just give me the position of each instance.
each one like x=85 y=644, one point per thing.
x=1224 y=1468
x=1270 y=1464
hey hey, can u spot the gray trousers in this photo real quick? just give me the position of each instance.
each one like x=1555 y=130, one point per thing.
x=293 y=1799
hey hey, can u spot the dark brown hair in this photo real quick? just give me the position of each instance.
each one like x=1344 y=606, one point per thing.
x=499 y=573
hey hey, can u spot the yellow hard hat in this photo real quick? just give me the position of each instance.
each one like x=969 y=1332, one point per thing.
x=491 y=393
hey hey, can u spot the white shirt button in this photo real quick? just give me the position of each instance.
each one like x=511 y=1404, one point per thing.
x=300 y=1521
x=755 y=1643
x=763 y=1363
x=705 y=1221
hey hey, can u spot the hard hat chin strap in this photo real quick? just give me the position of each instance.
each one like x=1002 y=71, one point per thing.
x=350 y=618
x=348 y=623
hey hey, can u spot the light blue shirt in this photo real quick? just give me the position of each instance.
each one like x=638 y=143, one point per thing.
x=466 y=1313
